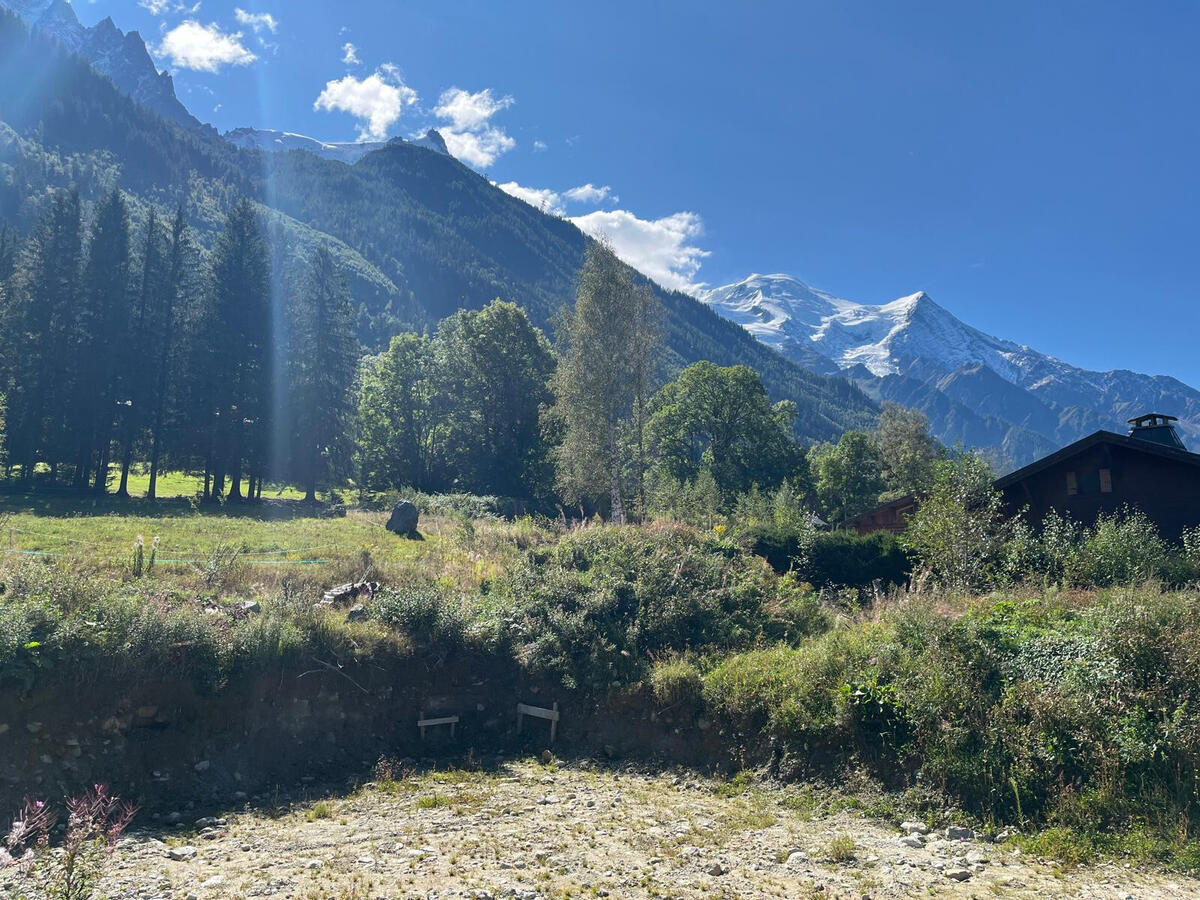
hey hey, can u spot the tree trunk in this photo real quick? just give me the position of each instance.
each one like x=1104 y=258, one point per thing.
x=126 y=462
x=152 y=490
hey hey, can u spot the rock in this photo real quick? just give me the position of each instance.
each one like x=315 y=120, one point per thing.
x=403 y=520
x=356 y=613
x=348 y=593
x=913 y=840
x=716 y=869
x=33 y=727
x=547 y=757
x=250 y=606
x=914 y=828
x=314 y=864
x=959 y=833
x=182 y=853
x=202 y=766
x=957 y=874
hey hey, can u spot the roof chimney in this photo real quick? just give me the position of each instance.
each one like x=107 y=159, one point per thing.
x=1156 y=428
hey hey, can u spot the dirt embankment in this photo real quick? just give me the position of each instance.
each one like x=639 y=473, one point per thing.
x=165 y=742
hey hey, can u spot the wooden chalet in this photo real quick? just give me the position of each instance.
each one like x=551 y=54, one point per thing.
x=1148 y=469
x=890 y=516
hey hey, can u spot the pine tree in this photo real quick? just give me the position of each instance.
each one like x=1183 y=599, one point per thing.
x=323 y=362
x=47 y=302
x=164 y=326
x=242 y=303
x=134 y=390
x=602 y=382
x=101 y=338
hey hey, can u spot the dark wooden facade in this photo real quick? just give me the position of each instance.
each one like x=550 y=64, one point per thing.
x=1103 y=473
x=891 y=516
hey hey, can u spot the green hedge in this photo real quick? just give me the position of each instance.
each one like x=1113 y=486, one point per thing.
x=835 y=558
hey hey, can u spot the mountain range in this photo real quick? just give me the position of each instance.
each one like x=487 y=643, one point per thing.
x=119 y=56
x=978 y=390
x=420 y=235
x=348 y=152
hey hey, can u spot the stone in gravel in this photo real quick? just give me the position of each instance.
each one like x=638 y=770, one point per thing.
x=959 y=833
x=314 y=864
x=182 y=853
x=202 y=766
x=913 y=840
x=914 y=828
x=716 y=869
x=958 y=874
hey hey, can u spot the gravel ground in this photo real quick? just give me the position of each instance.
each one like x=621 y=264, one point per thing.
x=531 y=832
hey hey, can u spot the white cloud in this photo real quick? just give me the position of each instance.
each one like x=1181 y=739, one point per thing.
x=477 y=148
x=205 y=48
x=588 y=193
x=546 y=200
x=155 y=7
x=663 y=249
x=378 y=100
x=467 y=111
x=350 y=54
x=257 y=21
x=468 y=134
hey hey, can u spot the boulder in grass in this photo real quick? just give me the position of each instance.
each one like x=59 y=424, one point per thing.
x=403 y=520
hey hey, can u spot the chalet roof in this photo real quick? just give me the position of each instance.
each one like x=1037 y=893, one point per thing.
x=1099 y=437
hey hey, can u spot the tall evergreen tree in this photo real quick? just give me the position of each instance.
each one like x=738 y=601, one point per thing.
x=101 y=335
x=165 y=320
x=323 y=362
x=47 y=302
x=241 y=299
x=602 y=381
x=134 y=388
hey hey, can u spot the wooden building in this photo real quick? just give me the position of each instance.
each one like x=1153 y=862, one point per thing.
x=891 y=516
x=1148 y=469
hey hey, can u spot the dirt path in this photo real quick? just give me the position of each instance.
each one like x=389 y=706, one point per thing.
x=531 y=833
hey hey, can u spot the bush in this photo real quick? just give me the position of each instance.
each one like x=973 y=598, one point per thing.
x=424 y=612
x=834 y=558
x=676 y=683
x=1122 y=548
x=597 y=607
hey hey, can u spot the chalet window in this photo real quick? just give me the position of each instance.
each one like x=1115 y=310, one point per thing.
x=1072 y=484
x=1106 y=481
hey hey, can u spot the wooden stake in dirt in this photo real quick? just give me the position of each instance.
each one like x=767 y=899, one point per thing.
x=539 y=712
x=424 y=723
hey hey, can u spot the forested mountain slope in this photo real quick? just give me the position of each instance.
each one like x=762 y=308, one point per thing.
x=421 y=234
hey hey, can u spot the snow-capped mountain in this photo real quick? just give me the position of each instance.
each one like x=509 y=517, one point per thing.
x=347 y=152
x=120 y=56
x=976 y=388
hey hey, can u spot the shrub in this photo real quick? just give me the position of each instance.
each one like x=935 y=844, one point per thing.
x=1121 y=548
x=834 y=558
x=597 y=607
x=676 y=683
x=424 y=612
x=959 y=531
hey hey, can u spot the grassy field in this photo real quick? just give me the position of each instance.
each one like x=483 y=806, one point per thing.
x=268 y=539
x=1074 y=714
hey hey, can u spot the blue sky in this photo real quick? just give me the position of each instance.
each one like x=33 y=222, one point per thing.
x=1031 y=165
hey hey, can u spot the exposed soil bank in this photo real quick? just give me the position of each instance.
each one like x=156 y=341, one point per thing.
x=164 y=742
